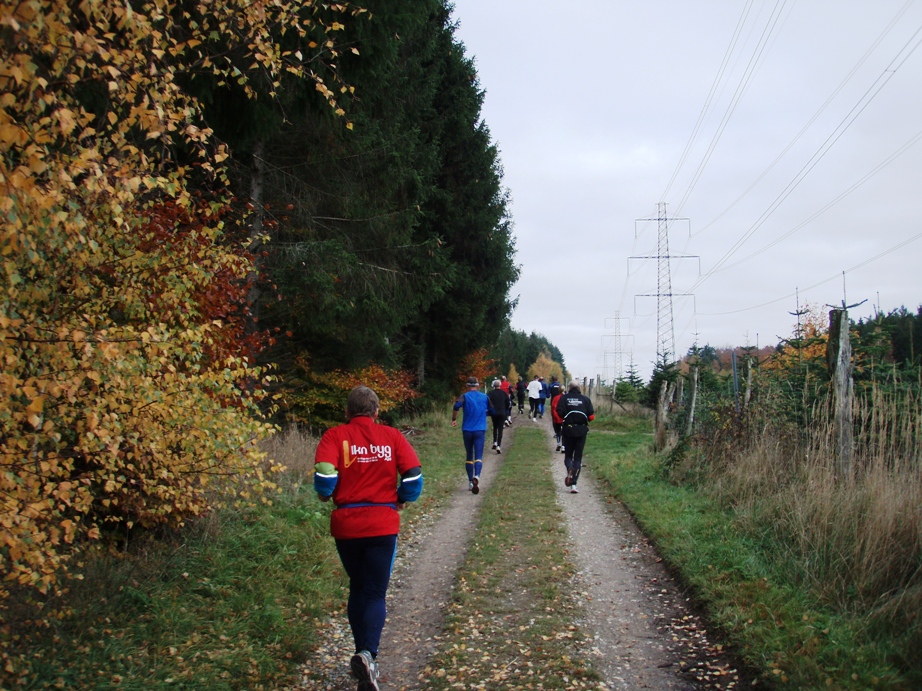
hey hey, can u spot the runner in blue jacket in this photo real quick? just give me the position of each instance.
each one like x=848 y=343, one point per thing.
x=476 y=407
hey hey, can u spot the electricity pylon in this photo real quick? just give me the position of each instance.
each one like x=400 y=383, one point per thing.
x=665 y=330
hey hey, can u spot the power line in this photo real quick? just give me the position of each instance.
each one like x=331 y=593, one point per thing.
x=819 y=283
x=843 y=126
x=737 y=96
x=822 y=109
x=707 y=102
x=899 y=152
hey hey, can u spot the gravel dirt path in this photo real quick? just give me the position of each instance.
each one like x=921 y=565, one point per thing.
x=646 y=634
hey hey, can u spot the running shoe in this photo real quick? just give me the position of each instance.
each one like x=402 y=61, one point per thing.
x=494 y=445
x=558 y=448
x=568 y=479
x=498 y=450
x=365 y=670
x=573 y=490
x=475 y=485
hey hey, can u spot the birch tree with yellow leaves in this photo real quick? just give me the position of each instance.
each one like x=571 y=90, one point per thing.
x=116 y=406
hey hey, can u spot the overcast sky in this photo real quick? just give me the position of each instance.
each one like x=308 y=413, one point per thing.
x=786 y=133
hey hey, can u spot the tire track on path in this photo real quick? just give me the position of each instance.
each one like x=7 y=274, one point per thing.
x=646 y=634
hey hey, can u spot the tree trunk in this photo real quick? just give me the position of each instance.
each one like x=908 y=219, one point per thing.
x=421 y=362
x=257 y=183
x=693 y=399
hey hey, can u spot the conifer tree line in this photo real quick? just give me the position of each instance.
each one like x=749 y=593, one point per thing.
x=389 y=242
x=211 y=212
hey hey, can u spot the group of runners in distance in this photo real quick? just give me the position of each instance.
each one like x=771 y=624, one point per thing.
x=370 y=471
x=571 y=413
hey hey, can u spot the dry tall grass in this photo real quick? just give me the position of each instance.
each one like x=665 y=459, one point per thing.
x=856 y=543
x=293 y=448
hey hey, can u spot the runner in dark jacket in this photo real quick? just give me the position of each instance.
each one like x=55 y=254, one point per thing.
x=520 y=394
x=499 y=403
x=577 y=412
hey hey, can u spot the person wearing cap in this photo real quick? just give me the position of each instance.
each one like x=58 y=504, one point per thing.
x=476 y=406
x=500 y=403
x=370 y=471
x=576 y=412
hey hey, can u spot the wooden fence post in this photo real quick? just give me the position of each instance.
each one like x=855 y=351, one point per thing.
x=748 y=394
x=693 y=397
x=660 y=437
x=839 y=361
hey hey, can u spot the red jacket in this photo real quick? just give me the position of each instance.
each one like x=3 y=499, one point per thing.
x=369 y=459
x=554 y=416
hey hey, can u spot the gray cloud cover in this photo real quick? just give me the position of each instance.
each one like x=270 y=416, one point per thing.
x=806 y=162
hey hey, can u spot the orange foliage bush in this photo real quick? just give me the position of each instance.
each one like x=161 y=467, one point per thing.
x=476 y=364
x=319 y=399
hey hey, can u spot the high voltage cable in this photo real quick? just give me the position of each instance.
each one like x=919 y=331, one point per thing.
x=899 y=152
x=819 y=112
x=819 y=283
x=843 y=126
x=707 y=102
x=737 y=96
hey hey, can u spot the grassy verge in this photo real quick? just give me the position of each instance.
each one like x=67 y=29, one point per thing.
x=226 y=603
x=510 y=622
x=232 y=601
x=776 y=627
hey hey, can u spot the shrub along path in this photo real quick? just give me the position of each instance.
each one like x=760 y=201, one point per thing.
x=529 y=587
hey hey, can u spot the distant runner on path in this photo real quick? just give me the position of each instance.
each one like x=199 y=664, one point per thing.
x=473 y=429
x=520 y=394
x=577 y=412
x=534 y=392
x=499 y=402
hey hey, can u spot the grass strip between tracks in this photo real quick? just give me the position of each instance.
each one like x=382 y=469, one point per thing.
x=510 y=623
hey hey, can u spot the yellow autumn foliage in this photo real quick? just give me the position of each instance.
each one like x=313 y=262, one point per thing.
x=111 y=410
x=545 y=366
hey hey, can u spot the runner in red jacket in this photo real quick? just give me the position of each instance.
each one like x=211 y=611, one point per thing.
x=556 y=419
x=358 y=466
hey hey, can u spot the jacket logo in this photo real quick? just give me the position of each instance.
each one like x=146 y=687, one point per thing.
x=372 y=453
x=366 y=454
